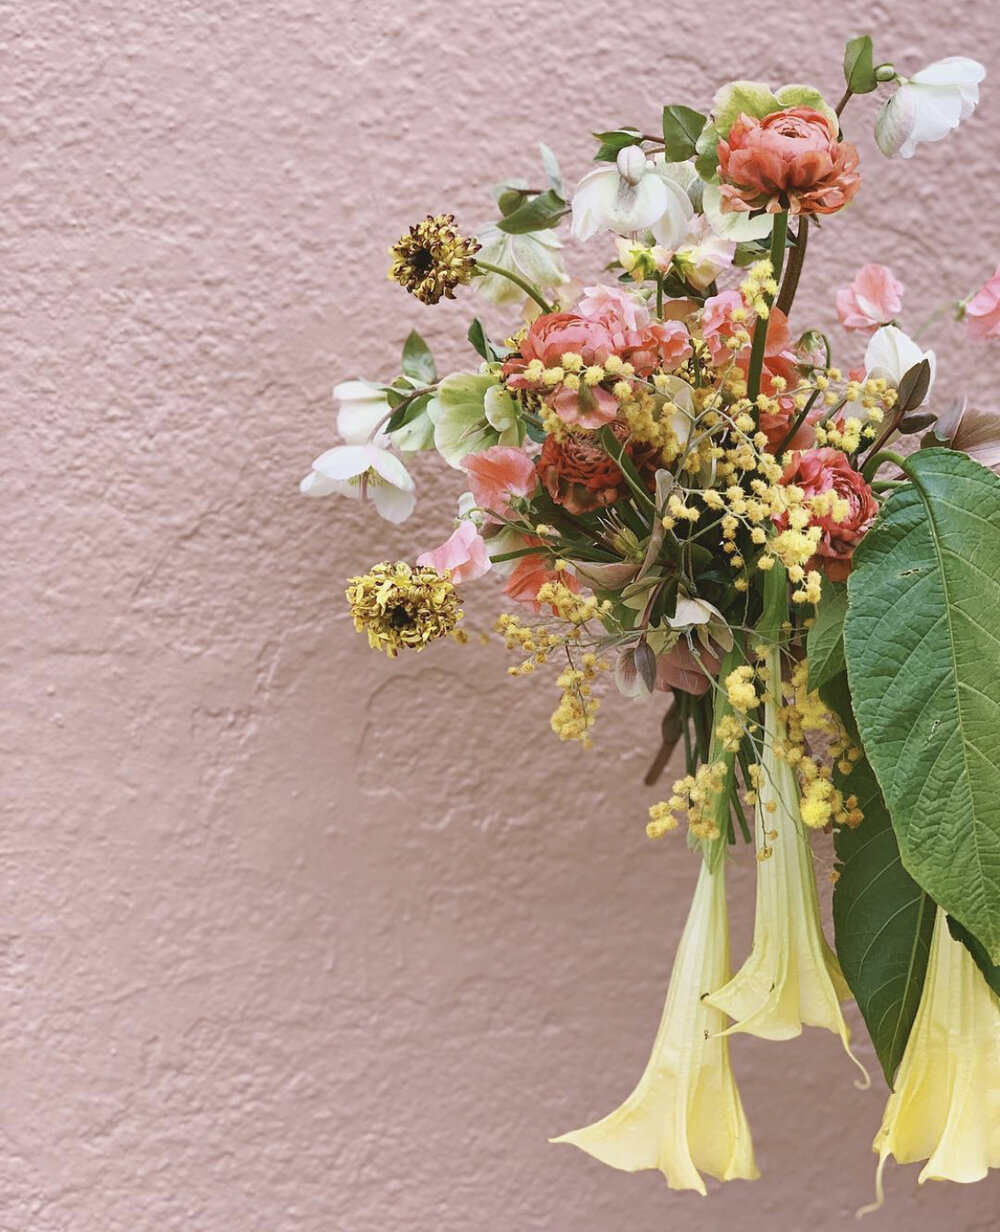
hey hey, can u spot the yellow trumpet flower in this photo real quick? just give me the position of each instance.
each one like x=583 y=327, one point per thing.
x=946 y=1104
x=792 y=977
x=685 y=1116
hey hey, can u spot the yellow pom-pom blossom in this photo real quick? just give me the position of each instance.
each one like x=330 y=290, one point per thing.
x=945 y=1106
x=433 y=259
x=403 y=607
x=792 y=977
x=685 y=1116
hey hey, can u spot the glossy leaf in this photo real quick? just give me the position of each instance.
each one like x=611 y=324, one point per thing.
x=923 y=658
x=882 y=922
x=681 y=129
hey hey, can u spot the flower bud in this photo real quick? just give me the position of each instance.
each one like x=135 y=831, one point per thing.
x=631 y=164
x=885 y=72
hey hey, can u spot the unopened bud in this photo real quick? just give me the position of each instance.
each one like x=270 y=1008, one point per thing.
x=631 y=164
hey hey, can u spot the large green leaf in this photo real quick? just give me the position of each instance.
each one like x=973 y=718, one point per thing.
x=923 y=656
x=882 y=922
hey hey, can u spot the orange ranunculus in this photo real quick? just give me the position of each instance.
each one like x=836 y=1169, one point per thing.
x=818 y=471
x=790 y=160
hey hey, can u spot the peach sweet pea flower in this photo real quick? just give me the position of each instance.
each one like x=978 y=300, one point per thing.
x=874 y=298
x=497 y=474
x=463 y=555
x=532 y=573
x=982 y=312
x=790 y=160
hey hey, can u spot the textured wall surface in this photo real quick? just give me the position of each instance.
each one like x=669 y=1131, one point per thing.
x=292 y=938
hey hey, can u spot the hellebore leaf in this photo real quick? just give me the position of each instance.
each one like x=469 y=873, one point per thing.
x=882 y=922
x=859 y=70
x=923 y=658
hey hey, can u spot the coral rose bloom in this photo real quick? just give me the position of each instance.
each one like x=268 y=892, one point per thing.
x=790 y=160
x=553 y=335
x=817 y=471
x=579 y=475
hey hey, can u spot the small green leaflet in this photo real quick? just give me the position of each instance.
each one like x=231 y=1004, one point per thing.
x=614 y=141
x=882 y=922
x=418 y=362
x=859 y=71
x=538 y=214
x=681 y=129
x=825 y=643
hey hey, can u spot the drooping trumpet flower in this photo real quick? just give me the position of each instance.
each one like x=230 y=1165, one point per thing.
x=792 y=977
x=946 y=1104
x=685 y=1116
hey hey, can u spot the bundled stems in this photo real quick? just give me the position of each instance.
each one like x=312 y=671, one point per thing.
x=796 y=258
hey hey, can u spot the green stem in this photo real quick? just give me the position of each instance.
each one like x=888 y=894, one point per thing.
x=659 y=296
x=778 y=235
x=872 y=464
x=799 y=421
x=527 y=287
x=796 y=257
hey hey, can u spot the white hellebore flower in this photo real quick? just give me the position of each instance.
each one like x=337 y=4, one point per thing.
x=362 y=409
x=891 y=354
x=634 y=195
x=685 y=1116
x=362 y=472
x=535 y=255
x=928 y=105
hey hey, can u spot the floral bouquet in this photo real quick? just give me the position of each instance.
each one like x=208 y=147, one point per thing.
x=686 y=495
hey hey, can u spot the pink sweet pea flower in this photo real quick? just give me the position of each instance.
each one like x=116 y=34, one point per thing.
x=874 y=298
x=717 y=323
x=464 y=555
x=497 y=474
x=590 y=408
x=982 y=312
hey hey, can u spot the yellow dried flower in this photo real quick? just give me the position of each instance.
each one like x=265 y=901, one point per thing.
x=403 y=607
x=433 y=259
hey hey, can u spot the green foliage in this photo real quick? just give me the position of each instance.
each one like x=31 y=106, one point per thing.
x=923 y=657
x=418 y=362
x=682 y=127
x=535 y=214
x=859 y=71
x=882 y=922
x=825 y=642
x=614 y=141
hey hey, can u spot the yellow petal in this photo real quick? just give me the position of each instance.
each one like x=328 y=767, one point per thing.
x=946 y=1104
x=685 y=1116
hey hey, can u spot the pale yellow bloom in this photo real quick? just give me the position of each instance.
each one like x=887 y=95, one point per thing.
x=792 y=977
x=946 y=1104
x=685 y=1116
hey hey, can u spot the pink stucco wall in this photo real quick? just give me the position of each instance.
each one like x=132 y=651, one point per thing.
x=294 y=939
